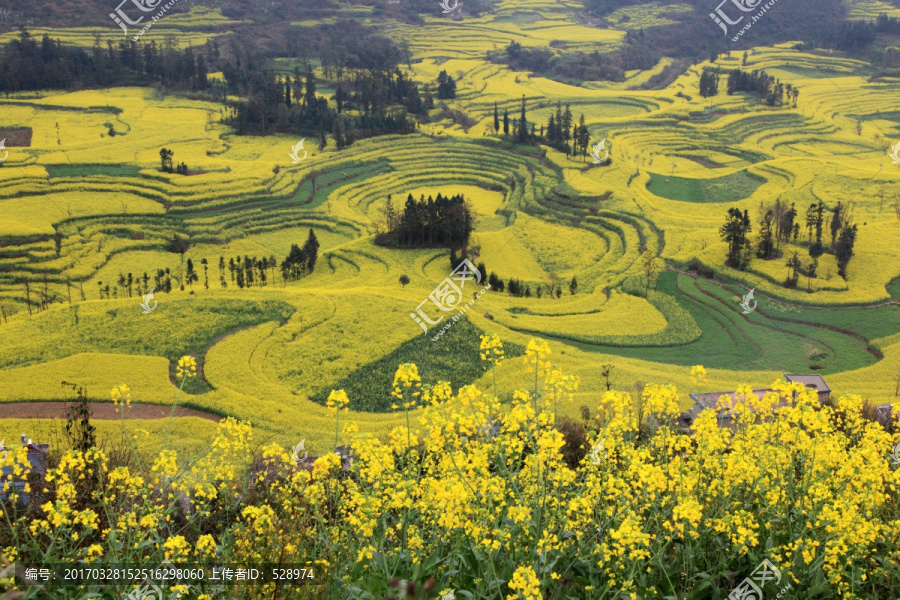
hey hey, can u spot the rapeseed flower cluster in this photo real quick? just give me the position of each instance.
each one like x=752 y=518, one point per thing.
x=187 y=367
x=481 y=498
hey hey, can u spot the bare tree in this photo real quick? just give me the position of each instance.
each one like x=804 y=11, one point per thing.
x=606 y=371
x=650 y=269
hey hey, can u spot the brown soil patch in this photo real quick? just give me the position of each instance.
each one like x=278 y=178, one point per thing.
x=18 y=137
x=703 y=161
x=103 y=410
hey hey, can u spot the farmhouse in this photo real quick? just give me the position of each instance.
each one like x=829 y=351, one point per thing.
x=816 y=382
x=37 y=464
x=710 y=400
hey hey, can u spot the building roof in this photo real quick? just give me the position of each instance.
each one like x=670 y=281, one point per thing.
x=711 y=399
x=812 y=381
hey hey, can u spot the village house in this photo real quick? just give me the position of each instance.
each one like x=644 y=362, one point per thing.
x=709 y=400
x=37 y=461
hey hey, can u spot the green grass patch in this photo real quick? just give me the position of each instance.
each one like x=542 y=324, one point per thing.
x=767 y=339
x=454 y=357
x=729 y=188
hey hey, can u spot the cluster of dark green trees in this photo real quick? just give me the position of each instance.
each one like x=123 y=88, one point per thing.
x=779 y=223
x=27 y=65
x=584 y=66
x=444 y=221
x=165 y=158
x=301 y=261
x=764 y=85
x=363 y=69
x=290 y=105
x=561 y=133
x=446 y=86
x=709 y=82
x=564 y=135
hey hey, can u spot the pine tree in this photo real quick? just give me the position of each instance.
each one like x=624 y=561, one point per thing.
x=311 y=250
x=496 y=119
x=836 y=223
x=584 y=136
x=505 y=122
x=522 y=132
x=309 y=95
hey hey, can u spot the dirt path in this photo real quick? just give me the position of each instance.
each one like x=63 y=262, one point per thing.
x=103 y=410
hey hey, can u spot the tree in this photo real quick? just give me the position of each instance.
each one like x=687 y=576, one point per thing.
x=836 y=222
x=843 y=251
x=650 y=269
x=735 y=232
x=505 y=122
x=820 y=220
x=496 y=119
x=389 y=215
x=573 y=286
x=811 y=213
x=793 y=265
x=522 y=131
x=446 y=86
x=404 y=280
x=311 y=250
x=815 y=251
x=766 y=246
x=165 y=157
x=709 y=83
x=309 y=95
x=606 y=372
x=786 y=226
x=205 y=264
x=583 y=137
x=190 y=274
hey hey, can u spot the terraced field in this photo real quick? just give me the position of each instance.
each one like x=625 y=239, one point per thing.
x=78 y=207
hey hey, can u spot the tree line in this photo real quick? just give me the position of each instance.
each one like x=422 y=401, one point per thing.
x=780 y=223
x=512 y=286
x=26 y=65
x=291 y=105
x=583 y=66
x=764 y=85
x=560 y=133
x=444 y=221
x=243 y=272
